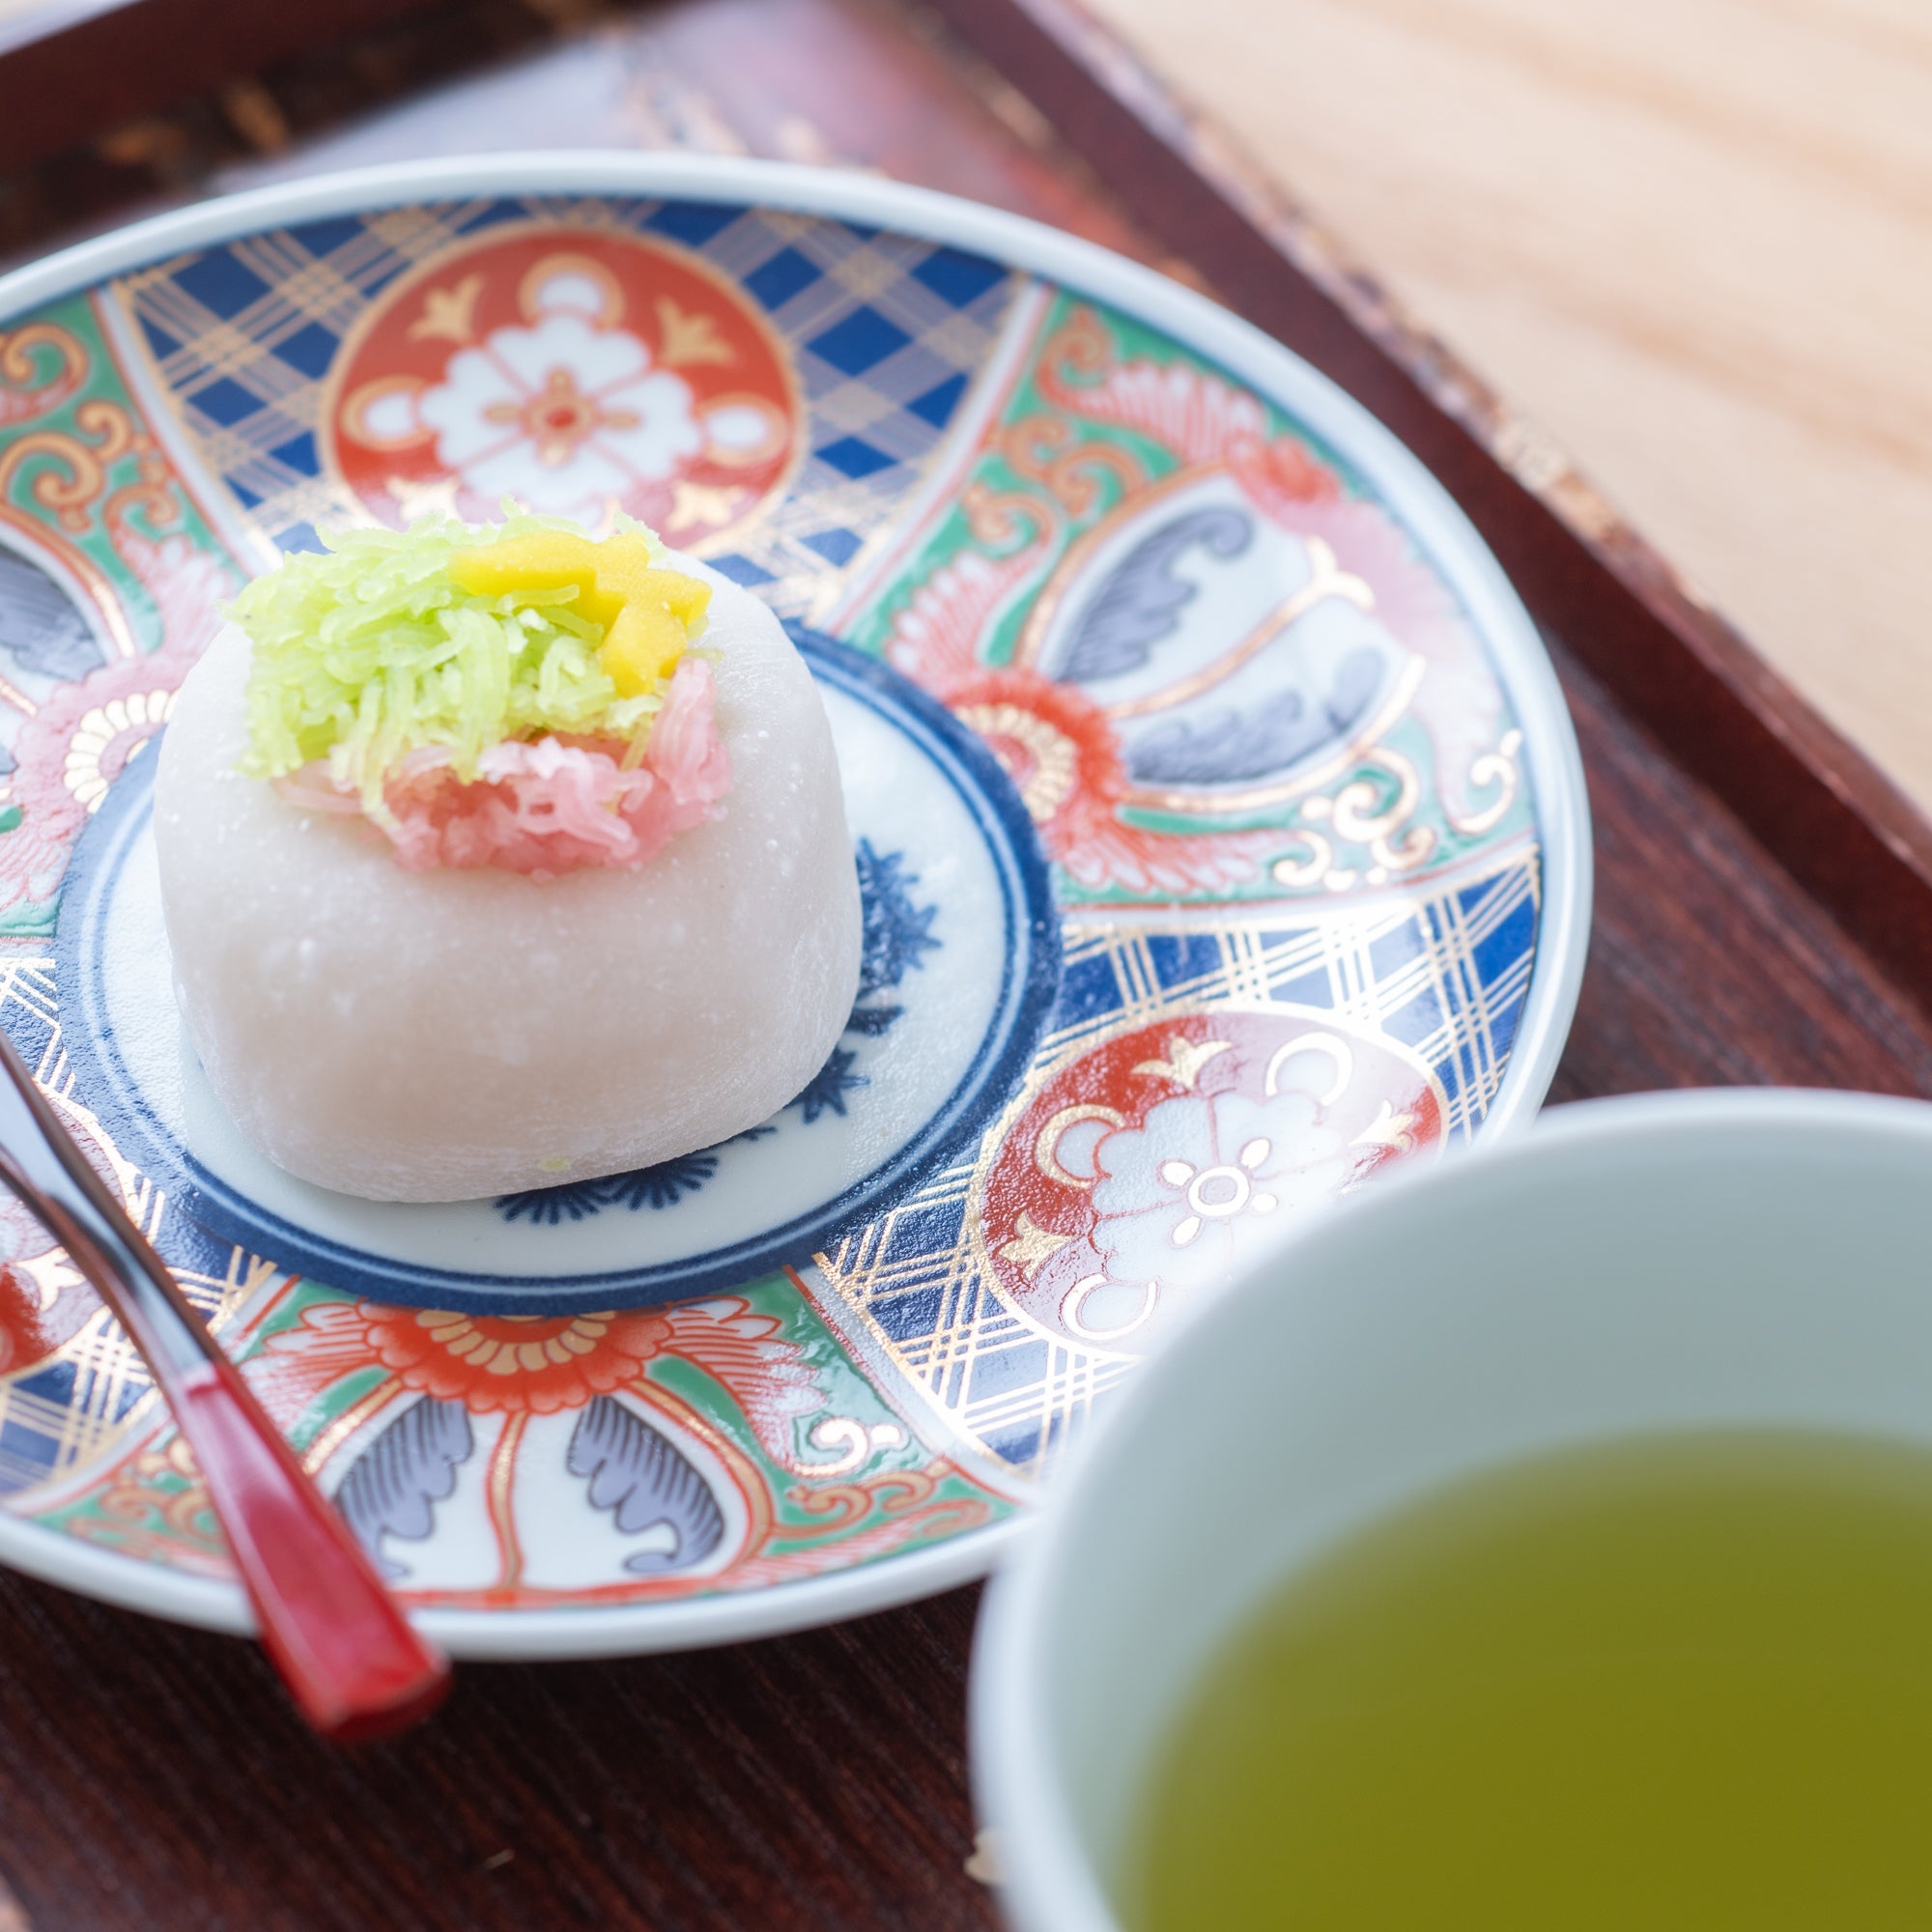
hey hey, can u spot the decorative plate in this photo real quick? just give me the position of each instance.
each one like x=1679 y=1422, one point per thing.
x=1300 y=772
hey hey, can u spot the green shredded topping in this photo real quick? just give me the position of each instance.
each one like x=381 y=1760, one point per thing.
x=367 y=651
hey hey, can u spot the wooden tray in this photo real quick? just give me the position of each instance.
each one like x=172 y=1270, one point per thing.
x=1764 y=914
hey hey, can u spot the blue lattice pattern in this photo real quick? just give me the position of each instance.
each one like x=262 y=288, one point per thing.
x=885 y=331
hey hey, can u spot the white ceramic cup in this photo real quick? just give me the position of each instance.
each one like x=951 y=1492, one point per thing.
x=1666 y=1262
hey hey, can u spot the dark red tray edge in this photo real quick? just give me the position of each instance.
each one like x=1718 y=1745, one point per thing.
x=70 y=69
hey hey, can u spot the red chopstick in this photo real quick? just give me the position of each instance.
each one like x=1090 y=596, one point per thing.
x=350 y=1657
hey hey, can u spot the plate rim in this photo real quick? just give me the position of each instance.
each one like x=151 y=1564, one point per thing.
x=504 y=1636
x=1440 y=524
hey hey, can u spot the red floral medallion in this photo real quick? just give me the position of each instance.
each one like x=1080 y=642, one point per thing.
x=1148 y=1168
x=523 y=1364
x=575 y=372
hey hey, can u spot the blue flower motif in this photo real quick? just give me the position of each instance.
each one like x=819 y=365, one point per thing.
x=547 y=1207
x=897 y=932
x=826 y=1091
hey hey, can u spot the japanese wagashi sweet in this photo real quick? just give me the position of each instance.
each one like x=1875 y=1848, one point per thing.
x=495 y=857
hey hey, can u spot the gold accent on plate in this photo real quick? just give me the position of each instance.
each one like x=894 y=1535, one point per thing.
x=1031 y=1246
x=1185 y=1058
x=1047 y=1144
x=364 y=397
x=1326 y=579
x=327 y=1440
x=1340 y=1054
x=1076 y=1298
x=77 y=475
x=1357 y=747
x=449 y=314
x=686 y=337
x=713 y=505
x=24 y=394
x=855 y=1442
x=1044 y=450
x=1493 y=768
x=1388 y=1129
x=1310 y=870
x=423 y=499
x=610 y=304
x=500 y=1487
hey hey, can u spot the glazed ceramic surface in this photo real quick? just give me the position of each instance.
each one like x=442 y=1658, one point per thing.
x=1673 y=1262
x=1175 y=633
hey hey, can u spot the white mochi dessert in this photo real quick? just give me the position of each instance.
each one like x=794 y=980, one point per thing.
x=390 y=1025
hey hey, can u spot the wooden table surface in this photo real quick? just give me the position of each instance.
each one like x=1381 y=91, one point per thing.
x=1690 y=237
x=152 y=1777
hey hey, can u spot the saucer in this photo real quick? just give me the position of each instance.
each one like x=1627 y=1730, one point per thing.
x=1177 y=634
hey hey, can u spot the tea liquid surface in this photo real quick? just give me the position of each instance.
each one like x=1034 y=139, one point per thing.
x=1675 y=1684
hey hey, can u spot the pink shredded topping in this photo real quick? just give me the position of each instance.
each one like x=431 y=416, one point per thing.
x=554 y=805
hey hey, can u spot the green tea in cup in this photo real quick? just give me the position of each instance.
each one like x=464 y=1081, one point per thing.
x=1672 y=1682
x=1546 y=1542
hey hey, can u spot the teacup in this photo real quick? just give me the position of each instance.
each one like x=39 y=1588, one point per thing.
x=1665 y=1262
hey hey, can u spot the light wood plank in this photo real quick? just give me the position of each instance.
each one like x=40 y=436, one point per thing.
x=1692 y=237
